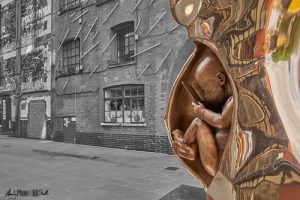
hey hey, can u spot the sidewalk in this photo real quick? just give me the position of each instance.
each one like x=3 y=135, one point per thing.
x=112 y=155
x=121 y=174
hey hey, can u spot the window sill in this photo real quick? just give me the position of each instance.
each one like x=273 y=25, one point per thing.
x=124 y=124
x=121 y=64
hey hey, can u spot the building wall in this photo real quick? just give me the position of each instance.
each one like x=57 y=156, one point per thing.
x=7 y=64
x=82 y=95
x=36 y=60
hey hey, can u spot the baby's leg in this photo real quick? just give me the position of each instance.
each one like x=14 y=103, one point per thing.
x=208 y=149
x=190 y=135
x=185 y=145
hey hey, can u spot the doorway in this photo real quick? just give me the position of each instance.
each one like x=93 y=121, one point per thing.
x=5 y=115
x=70 y=129
x=37 y=120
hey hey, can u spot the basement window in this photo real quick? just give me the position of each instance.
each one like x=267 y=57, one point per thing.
x=71 y=56
x=124 y=104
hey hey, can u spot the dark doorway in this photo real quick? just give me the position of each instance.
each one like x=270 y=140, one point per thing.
x=70 y=129
x=5 y=115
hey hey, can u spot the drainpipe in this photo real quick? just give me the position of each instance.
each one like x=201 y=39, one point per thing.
x=18 y=67
x=52 y=74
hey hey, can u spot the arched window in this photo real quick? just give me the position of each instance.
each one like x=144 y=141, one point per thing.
x=124 y=104
x=125 y=42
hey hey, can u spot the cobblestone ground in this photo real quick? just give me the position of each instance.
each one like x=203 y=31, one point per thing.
x=71 y=171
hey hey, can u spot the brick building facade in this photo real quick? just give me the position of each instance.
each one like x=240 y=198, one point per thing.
x=130 y=53
x=25 y=68
x=98 y=72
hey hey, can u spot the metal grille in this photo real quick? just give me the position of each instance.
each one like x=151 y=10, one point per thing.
x=71 y=56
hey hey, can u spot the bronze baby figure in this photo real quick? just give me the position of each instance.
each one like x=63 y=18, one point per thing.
x=207 y=134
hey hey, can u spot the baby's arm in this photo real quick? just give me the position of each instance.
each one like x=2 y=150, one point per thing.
x=217 y=120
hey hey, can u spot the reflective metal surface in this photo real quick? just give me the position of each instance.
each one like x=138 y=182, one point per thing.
x=258 y=44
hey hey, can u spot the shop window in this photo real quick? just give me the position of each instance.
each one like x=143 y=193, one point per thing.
x=124 y=104
x=70 y=4
x=125 y=42
x=71 y=56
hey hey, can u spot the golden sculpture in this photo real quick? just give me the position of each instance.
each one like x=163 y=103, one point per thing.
x=245 y=66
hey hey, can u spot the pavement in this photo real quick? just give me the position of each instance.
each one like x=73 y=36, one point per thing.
x=73 y=171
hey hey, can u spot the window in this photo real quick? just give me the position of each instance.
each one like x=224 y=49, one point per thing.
x=8 y=24
x=125 y=42
x=70 y=4
x=71 y=56
x=29 y=7
x=124 y=104
x=100 y=2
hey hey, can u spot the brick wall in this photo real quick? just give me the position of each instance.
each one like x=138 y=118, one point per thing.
x=83 y=94
x=150 y=143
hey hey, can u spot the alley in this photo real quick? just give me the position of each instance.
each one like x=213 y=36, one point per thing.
x=72 y=171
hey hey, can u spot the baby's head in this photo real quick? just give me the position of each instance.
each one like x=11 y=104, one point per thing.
x=211 y=80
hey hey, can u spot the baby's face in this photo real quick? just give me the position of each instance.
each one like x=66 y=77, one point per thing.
x=209 y=86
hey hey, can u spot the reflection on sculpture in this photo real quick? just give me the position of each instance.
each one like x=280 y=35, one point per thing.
x=257 y=44
x=207 y=134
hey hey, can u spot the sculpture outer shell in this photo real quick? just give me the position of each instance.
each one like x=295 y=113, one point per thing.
x=258 y=43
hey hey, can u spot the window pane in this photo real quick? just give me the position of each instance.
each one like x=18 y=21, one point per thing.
x=133 y=91
x=107 y=94
x=119 y=107
x=69 y=53
x=141 y=91
x=119 y=92
x=131 y=41
x=109 y=114
x=73 y=52
x=127 y=111
x=113 y=93
x=138 y=113
x=141 y=104
x=136 y=116
x=127 y=92
x=134 y=104
x=107 y=107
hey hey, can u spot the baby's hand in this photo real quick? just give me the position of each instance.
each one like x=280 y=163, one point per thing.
x=198 y=108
